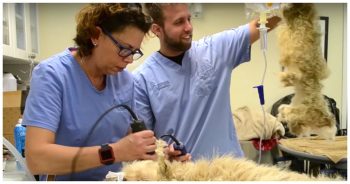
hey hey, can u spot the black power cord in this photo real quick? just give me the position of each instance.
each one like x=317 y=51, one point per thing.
x=136 y=125
x=178 y=145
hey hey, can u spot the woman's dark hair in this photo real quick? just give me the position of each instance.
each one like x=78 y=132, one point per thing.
x=112 y=17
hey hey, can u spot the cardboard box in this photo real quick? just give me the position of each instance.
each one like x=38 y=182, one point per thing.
x=12 y=99
x=11 y=113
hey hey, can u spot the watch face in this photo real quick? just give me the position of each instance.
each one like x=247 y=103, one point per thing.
x=106 y=155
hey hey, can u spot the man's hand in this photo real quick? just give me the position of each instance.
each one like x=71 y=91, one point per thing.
x=254 y=31
x=172 y=154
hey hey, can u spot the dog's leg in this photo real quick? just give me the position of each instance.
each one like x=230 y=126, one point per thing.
x=282 y=111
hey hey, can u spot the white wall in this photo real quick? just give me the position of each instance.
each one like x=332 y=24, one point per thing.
x=57 y=29
x=334 y=86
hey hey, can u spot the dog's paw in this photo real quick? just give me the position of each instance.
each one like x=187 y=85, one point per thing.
x=282 y=112
x=288 y=79
x=283 y=108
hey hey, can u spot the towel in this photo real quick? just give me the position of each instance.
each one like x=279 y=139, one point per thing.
x=250 y=124
x=335 y=150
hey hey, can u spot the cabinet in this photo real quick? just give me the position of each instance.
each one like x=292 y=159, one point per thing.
x=20 y=31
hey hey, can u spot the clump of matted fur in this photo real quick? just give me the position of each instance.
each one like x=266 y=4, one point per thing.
x=224 y=168
x=304 y=68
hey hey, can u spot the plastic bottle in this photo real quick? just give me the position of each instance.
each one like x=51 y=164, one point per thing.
x=9 y=82
x=20 y=139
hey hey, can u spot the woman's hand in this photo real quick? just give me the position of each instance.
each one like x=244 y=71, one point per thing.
x=136 y=146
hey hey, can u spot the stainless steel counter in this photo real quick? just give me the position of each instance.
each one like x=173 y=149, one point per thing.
x=11 y=173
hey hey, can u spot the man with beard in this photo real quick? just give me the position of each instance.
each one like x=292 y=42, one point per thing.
x=184 y=88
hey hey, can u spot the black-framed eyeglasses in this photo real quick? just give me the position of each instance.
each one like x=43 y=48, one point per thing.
x=124 y=51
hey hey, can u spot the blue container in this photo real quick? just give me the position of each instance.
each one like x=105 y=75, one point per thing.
x=20 y=137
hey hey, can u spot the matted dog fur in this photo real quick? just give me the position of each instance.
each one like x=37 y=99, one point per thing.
x=224 y=168
x=304 y=68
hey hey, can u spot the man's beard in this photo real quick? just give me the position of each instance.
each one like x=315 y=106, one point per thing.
x=176 y=45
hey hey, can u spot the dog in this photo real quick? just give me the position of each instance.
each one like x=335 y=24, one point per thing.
x=304 y=67
x=223 y=168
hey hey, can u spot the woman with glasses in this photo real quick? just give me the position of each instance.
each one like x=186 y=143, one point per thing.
x=72 y=89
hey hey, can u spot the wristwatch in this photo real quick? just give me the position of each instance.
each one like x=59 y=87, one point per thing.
x=106 y=154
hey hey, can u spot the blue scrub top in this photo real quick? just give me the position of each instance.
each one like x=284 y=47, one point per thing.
x=192 y=100
x=63 y=100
